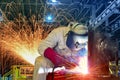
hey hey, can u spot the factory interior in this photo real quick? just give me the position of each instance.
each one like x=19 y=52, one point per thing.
x=24 y=23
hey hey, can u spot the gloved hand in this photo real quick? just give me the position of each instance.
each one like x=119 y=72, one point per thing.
x=57 y=59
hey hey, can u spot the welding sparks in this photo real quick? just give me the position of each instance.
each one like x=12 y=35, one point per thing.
x=21 y=40
x=84 y=65
x=82 y=68
x=18 y=37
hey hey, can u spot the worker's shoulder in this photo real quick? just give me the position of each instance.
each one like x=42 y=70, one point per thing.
x=61 y=28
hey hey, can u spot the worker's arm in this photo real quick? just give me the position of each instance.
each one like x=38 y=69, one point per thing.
x=57 y=59
x=50 y=41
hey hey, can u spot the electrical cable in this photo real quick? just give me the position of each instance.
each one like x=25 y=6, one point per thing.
x=53 y=73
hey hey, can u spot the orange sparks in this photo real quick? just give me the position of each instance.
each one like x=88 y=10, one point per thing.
x=21 y=40
x=83 y=66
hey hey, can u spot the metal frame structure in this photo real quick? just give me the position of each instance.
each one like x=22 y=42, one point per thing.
x=109 y=11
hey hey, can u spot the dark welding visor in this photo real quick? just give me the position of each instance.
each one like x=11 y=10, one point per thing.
x=76 y=40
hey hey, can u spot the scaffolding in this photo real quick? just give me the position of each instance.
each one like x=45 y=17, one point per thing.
x=113 y=8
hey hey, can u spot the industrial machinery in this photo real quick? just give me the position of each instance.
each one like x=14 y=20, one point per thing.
x=19 y=72
x=69 y=76
x=114 y=68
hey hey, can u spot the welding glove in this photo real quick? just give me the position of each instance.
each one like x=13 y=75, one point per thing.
x=57 y=59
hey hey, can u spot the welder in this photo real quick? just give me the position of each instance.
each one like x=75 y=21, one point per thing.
x=62 y=47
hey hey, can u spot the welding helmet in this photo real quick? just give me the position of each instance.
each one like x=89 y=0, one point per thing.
x=77 y=37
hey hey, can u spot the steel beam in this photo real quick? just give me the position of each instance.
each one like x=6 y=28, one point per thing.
x=109 y=11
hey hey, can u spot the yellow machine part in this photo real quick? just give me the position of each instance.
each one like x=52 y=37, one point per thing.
x=19 y=72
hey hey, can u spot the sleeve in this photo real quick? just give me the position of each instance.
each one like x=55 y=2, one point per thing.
x=50 y=41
